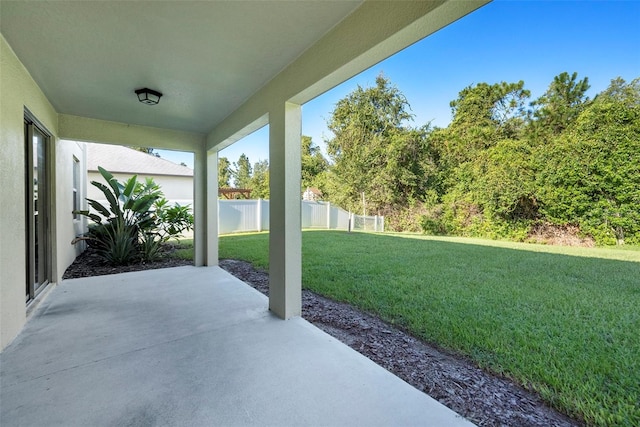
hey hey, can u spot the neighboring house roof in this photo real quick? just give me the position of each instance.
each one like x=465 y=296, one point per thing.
x=119 y=159
x=312 y=193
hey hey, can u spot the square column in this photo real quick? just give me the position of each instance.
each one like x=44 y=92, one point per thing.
x=205 y=208
x=285 y=235
x=212 y=208
x=199 y=207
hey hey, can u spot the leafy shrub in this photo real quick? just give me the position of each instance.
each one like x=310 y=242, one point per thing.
x=172 y=221
x=404 y=218
x=136 y=221
x=115 y=242
x=433 y=225
x=150 y=247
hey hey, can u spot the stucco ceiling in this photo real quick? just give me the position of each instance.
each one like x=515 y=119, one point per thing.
x=206 y=57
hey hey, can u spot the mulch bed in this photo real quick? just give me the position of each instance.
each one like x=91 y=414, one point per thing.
x=89 y=264
x=484 y=398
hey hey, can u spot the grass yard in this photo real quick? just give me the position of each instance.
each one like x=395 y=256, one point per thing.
x=183 y=249
x=562 y=321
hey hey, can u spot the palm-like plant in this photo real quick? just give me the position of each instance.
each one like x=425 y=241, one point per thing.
x=129 y=202
x=128 y=215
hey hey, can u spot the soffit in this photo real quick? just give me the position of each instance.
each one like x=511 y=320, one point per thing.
x=206 y=57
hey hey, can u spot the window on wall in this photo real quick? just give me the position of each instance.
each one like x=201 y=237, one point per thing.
x=76 y=187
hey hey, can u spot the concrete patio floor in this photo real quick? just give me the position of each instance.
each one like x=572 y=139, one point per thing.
x=191 y=346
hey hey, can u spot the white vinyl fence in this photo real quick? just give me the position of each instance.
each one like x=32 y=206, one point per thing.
x=236 y=216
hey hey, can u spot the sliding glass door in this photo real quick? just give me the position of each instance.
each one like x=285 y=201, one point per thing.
x=37 y=209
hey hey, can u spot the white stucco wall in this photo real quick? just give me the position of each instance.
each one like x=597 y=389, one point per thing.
x=19 y=91
x=67 y=227
x=175 y=188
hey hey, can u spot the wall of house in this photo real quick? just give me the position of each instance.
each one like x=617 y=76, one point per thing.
x=68 y=227
x=175 y=188
x=18 y=91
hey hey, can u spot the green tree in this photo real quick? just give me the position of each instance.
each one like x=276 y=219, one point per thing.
x=224 y=172
x=374 y=152
x=260 y=180
x=504 y=181
x=148 y=150
x=482 y=115
x=560 y=105
x=313 y=163
x=591 y=173
x=486 y=177
x=241 y=172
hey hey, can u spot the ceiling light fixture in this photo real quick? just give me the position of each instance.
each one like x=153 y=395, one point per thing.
x=148 y=96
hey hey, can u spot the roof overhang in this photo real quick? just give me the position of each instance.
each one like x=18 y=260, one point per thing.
x=219 y=64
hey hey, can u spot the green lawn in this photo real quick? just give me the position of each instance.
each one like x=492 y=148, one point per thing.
x=562 y=321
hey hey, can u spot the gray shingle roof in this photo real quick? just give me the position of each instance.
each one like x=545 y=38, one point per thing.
x=116 y=158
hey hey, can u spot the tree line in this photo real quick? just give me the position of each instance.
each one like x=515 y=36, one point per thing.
x=507 y=166
x=242 y=174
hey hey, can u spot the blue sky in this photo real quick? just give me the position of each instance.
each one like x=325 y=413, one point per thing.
x=503 y=41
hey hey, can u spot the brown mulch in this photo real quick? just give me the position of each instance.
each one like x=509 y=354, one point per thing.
x=483 y=398
x=89 y=264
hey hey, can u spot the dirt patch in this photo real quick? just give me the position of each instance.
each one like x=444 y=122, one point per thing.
x=484 y=398
x=560 y=235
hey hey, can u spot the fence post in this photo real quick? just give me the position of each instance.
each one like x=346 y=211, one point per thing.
x=259 y=214
x=328 y=215
x=382 y=224
x=375 y=223
x=349 y=226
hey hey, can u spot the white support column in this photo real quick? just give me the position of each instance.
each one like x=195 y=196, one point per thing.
x=285 y=235
x=205 y=208
x=212 y=208
x=200 y=207
x=259 y=214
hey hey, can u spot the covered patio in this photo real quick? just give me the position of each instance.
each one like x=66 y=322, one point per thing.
x=192 y=346
x=71 y=72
